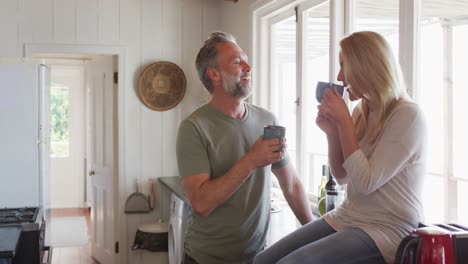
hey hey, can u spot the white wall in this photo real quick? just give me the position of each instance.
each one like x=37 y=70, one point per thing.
x=150 y=31
x=237 y=20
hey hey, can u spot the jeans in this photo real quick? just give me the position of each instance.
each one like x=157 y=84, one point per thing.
x=317 y=242
x=190 y=260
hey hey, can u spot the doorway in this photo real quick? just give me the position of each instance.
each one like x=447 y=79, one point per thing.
x=103 y=142
x=82 y=157
x=68 y=139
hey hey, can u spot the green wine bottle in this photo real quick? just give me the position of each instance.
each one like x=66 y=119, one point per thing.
x=323 y=182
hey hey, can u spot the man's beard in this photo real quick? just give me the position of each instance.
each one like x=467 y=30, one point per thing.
x=233 y=86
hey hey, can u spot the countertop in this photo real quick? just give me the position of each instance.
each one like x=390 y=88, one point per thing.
x=9 y=237
x=174 y=185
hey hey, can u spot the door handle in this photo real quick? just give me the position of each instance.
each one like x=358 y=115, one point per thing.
x=91 y=173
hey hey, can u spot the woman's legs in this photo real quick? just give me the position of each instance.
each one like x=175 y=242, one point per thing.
x=350 y=246
x=317 y=242
x=311 y=232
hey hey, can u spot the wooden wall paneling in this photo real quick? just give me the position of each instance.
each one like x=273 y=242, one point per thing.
x=87 y=21
x=109 y=21
x=152 y=31
x=172 y=24
x=193 y=38
x=26 y=18
x=211 y=17
x=152 y=40
x=211 y=3
x=130 y=33
x=64 y=18
x=151 y=51
x=130 y=22
x=171 y=120
x=240 y=28
x=211 y=22
x=130 y=37
x=41 y=13
x=172 y=30
x=9 y=46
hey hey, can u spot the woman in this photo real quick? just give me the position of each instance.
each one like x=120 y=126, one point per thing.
x=379 y=152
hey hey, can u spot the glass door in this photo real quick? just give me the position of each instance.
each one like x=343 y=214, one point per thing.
x=283 y=76
x=315 y=67
x=300 y=41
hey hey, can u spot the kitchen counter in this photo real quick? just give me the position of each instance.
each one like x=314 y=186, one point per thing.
x=9 y=237
x=169 y=186
x=174 y=185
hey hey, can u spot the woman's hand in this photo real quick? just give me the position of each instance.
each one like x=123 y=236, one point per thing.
x=334 y=108
x=325 y=124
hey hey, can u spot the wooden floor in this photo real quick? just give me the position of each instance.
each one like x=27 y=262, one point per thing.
x=73 y=255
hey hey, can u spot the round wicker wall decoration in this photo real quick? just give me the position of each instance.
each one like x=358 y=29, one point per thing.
x=162 y=85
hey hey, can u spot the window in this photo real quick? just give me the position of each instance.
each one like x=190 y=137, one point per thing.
x=381 y=17
x=441 y=93
x=316 y=24
x=283 y=76
x=59 y=103
x=308 y=149
x=460 y=108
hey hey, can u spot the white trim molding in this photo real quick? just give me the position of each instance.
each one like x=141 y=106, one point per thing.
x=409 y=38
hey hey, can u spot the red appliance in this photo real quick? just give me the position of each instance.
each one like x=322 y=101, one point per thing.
x=434 y=244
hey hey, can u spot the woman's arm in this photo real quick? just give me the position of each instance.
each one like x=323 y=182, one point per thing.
x=334 y=119
x=402 y=142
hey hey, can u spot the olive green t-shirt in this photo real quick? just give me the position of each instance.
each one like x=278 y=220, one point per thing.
x=209 y=141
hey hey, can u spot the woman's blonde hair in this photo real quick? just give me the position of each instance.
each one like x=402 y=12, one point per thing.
x=375 y=76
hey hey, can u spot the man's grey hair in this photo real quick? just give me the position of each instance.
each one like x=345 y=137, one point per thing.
x=208 y=54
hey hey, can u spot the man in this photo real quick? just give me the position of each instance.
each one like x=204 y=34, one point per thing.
x=224 y=162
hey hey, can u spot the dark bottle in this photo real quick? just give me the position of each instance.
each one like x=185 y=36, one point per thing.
x=331 y=193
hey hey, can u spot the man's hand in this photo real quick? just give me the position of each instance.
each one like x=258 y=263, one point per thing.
x=265 y=152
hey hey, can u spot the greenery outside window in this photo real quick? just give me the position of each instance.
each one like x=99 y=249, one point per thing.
x=59 y=104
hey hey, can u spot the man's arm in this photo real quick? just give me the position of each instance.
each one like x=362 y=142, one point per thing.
x=205 y=194
x=294 y=193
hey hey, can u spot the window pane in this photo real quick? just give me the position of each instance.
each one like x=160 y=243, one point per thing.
x=460 y=94
x=59 y=135
x=431 y=92
x=381 y=17
x=463 y=203
x=283 y=78
x=316 y=61
x=441 y=93
x=433 y=199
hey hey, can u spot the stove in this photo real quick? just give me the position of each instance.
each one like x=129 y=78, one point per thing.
x=31 y=246
x=18 y=215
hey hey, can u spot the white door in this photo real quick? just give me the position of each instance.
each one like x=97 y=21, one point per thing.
x=101 y=157
x=44 y=136
x=67 y=168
